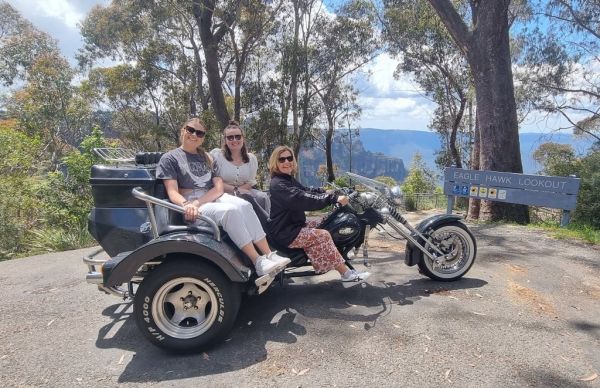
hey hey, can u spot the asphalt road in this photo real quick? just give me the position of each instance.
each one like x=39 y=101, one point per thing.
x=527 y=314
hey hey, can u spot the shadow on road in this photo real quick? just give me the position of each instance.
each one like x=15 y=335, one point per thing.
x=263 y=319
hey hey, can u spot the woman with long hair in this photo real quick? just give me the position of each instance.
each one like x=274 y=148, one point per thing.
x=188 y=176
x=238 y=167
x=288 y=225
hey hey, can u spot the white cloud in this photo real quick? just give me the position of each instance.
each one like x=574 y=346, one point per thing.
x=382 y=78
x=58 y=18
x=63 y=10
x=389 y=103
x=395 y=113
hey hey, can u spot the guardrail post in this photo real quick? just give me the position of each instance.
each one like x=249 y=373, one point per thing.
x=566 y=216
x=450 y=204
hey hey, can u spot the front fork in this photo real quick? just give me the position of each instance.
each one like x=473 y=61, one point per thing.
x=395 y=220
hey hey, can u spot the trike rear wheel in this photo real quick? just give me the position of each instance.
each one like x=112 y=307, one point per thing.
x=186 y=305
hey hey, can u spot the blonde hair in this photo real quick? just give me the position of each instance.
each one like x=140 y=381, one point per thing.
x=273 y=167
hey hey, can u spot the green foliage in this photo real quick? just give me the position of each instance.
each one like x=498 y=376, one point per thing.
x=43 y=211
x=420 y=178
x=21 y=43
x=571 y=231
x=556 y=159
x=50 y=105
x=560 y=160
x=342 y=181
x=19 y=155
x=66 y=194
x=588 y=200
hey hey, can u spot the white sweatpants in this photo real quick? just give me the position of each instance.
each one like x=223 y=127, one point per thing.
x=234 y=215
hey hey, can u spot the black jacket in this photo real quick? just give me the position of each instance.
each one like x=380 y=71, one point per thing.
x=289 y=201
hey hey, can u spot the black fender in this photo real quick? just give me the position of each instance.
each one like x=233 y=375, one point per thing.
x=121 y=268
x=413 y=254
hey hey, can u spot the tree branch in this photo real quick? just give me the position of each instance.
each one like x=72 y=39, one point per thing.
x=454 y=23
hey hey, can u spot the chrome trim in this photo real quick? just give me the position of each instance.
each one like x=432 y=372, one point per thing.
x=89 y=258
x=94 y=277
x=141 y=195
x=152 y=219
x=410 y=238
x=366 y=247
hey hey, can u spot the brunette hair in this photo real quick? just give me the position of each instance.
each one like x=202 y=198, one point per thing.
x=196 y=123
x=226 y=151
x=273 y=167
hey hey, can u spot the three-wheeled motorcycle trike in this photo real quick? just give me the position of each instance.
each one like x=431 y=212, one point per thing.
x=187 y=281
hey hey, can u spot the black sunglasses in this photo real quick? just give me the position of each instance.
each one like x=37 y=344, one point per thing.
x=232 y=137
x=282 y=159
x=198 y=132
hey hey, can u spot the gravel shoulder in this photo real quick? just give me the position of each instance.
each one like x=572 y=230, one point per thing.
x=527 y=314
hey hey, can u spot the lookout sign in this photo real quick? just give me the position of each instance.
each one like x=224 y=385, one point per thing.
x=537 y=190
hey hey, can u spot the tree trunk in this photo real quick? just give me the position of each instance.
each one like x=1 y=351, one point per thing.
x=488 y=53
x=455 y=125
x=329 y=146
x=496 y=107
x=203 y=12
x=474 y=204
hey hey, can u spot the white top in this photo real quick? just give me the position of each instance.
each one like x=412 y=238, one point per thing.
x=232 y=174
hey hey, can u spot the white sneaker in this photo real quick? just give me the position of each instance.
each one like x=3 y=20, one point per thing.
x=279 y=260
x=264 y=266
x=353 y=275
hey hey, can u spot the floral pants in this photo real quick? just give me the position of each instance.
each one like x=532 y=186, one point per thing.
x=319 y=247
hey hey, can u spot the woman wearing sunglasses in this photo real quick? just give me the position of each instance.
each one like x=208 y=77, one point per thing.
x=237 y=167
x=288 y=225
x=188 y=176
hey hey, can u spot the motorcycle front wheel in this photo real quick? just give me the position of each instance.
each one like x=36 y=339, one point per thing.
x=458 y=244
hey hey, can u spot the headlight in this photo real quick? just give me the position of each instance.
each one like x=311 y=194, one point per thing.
x=396 y=191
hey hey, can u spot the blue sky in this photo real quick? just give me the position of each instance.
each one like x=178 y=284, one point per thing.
x=386 y=103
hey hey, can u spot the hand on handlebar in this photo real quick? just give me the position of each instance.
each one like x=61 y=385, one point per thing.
x=343 y=200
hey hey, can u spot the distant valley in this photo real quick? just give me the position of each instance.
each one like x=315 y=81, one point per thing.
x=404 y=144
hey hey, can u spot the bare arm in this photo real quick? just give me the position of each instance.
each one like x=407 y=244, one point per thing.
x=212 y=194
x=230 y=188
x=173 y=192
x=191 y=208
x=191 y=212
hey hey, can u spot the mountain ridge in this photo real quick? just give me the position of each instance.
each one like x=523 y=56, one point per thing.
x=403 y=144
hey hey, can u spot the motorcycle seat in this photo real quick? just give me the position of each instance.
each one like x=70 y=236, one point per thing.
x=294 y=254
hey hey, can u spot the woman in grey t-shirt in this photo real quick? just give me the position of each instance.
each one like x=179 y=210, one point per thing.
x=237 y=167
x=189 y=179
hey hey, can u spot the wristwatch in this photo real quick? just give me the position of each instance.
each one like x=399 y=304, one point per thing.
x=236 y=191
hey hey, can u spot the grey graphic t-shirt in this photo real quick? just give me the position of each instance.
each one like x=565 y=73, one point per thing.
x=191 y=171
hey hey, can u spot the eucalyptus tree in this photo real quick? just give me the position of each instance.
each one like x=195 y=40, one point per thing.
x=20 y=44
x=161 y=45
x=247 y=40
x=49 y=104
x=344 y=43
x=560 y=66
x=307 y=14
x=482 y=35
x=416 y=35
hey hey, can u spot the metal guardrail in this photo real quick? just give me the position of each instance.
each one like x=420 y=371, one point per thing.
x=424 y=201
